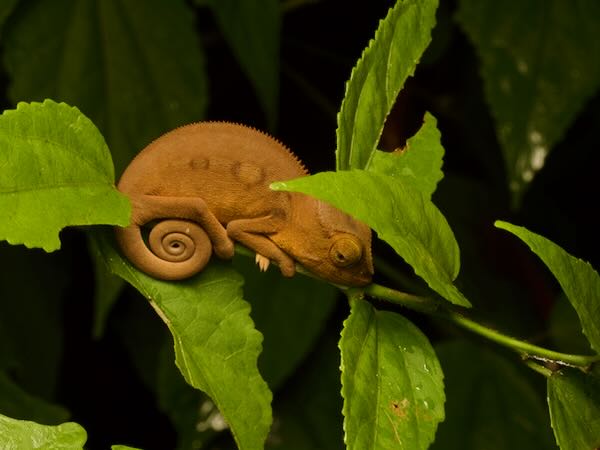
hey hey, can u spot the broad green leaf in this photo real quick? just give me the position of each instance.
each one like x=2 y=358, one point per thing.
x=56 y=172
x=419 y=163
x=123 y=447
x=33 y=287
x=574 y=401
x=135 y=68
x=578 y=279
x=400 y=214
x=489 y=403
x=22 y=434
x=377 y=78
x=538 y=72
x=252 y=30
x=216 y=345
x=16 y=402
x=392 y=382
x=289 y=312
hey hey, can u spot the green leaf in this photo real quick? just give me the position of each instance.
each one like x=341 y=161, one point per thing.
x=574 y=401
x=392 y=382
x=289 y=312
x=400 y=214
x=565 y=329
x=135 y=68
x=419 y=163
x=490 y=403
x=377 y=78
x=538 y=73
x=216 y=345
x=123 y=447
x=252 y=29
x=108 y=288
x=33 y=287
x=22 y=434
x=309 y=409
x=57 y=172
x=6 y=8
x=16 y=402
x=578 y=279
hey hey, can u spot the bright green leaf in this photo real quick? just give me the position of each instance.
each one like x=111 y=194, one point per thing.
x=216 y=344
x=252 y=29
x=578 y=279
x=289 y=312
x=419 y=163
x=392 y=382
x=490 y=404
x=574 y=401
x=135 y=68
x=400 y=214
x=123 y=447
x=538 y=70
x=22 y=434
x=377 y=78
x=56 y=172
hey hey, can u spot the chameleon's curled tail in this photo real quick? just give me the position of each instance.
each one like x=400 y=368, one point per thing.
x=177 y=249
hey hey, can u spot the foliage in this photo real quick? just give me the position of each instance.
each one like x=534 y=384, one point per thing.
x=234 y=358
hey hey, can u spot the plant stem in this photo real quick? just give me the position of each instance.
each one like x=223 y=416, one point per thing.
x=528 y=350
x=440 y=309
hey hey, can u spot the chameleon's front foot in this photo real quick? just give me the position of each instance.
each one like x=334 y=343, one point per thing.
x=287 y=266
x=224 y=247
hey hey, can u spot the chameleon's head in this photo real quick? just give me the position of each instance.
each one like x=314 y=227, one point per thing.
x=340 y=251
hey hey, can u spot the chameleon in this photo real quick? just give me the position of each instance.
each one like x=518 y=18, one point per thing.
x=200 y=187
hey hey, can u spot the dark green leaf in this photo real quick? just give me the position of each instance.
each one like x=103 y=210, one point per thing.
x=392 y=382
x=574 y=401
x=419 y=164
x=490 y=404
x=135 y=68
x=6 y=7
x=22 y=434
x=252 y=29
x=216 y=345
x=108 y=288
x=578 y=279
x=57 y=172
x=32 y=295
x=565 y=328
x=289 y=312
x=377 y=78
x=400 y=214
x=17 y=403
x=538 y=72
x=308 y=411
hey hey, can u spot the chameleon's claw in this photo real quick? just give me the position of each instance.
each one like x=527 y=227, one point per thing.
x=262 y=261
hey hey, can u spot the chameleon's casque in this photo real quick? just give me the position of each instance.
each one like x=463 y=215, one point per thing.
x=206 y=185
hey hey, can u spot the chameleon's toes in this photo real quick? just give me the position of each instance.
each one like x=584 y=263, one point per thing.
x=287 y=267
x=262 y=262
x=224 y=249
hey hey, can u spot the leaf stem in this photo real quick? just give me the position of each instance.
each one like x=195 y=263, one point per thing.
x=439 y=308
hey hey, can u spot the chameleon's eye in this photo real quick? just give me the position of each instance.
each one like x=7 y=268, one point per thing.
x=345 y=251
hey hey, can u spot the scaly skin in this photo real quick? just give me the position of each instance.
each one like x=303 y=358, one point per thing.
x=211 y=180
